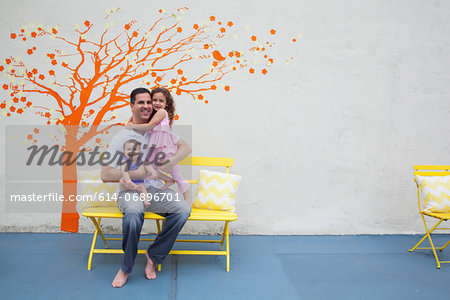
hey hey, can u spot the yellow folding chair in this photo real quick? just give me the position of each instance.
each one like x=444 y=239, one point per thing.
x=425 y=170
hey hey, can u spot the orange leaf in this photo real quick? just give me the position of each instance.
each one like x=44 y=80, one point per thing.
x=41 y=77
x=212 y=18
x=13 y=35
x=215 y=64
x=54 y=31
x=264 y=71
x=47 y=115
x=153 y=74
x=8 y=61
x=213 y=87
x=33 y=34
x=227 y=88
x=179 y=71
x=30 y=137
x=51 y=72
x=12 y=108
x=200 y=97
x=126 y=26
x=5 y=86
x=30 y=51
x=36 y=130
x=173 y=81
x=87 y=23
x=253 y=38
x=15 y=99
x=206 y=101
x=159 y=50
x=135 y=33
x=222 y=30
x=176 y=117
x=251 y=70
x=179 y=29
x=216 y=54
x=178 y=92
x=195 y=26
x=54 y=62
x=272 y=31
x=206 y=46
x=1 y=68
x=19 y=111
x=230 y=23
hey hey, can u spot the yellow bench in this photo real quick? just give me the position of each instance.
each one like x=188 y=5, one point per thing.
x=97 y=213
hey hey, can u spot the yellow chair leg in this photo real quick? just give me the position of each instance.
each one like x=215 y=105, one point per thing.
x=431 y=241
x=228 y=248
x=425 y=236
x=443 y=247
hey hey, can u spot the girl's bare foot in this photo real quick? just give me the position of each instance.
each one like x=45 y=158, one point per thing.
x=167 y=183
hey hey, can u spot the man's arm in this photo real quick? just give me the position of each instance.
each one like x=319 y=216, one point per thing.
x=183 y=151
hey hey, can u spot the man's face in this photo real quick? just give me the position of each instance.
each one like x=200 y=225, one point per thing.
x=142 y=108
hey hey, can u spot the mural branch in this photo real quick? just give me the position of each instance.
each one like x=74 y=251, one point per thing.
x=87 y=76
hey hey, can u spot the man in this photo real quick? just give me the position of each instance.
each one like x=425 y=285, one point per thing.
x=175 y=212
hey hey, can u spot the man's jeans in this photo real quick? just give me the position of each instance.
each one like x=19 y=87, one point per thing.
x=164 y=204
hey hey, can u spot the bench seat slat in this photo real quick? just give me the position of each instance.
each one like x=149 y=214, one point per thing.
x=196 y=214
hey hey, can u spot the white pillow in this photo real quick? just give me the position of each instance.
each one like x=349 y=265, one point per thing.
x=434 y=192
x=216 y=190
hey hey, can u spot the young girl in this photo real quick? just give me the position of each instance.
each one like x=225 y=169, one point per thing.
x=162 y=137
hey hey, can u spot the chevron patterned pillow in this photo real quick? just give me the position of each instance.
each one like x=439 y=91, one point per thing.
x=94 y=191
x=216 y=190
x=434 y=193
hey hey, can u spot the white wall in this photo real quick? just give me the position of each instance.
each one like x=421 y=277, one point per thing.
x=325 y=144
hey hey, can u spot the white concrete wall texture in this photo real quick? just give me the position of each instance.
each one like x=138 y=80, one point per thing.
x=325 y=144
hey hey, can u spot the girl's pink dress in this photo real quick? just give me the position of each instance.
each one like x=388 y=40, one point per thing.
x=164 y=141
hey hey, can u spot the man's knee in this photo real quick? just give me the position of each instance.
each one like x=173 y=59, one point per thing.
x=129 y=202
x=133 y=221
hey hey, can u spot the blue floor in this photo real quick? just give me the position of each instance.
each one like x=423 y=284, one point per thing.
x=53 y=266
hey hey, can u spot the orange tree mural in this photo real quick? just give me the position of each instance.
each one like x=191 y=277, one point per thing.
x=88 y=72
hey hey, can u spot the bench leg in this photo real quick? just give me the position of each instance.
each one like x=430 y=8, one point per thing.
x=97 y=227
x=223 y=234
x=91 y=254
x=158 y=226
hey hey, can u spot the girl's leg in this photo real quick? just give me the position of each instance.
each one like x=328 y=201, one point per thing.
x=183 y=184
x=168 y=180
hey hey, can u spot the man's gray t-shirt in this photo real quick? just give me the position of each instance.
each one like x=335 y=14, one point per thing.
x=116 y=146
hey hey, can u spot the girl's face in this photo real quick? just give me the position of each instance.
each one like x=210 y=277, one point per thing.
x=159 y=101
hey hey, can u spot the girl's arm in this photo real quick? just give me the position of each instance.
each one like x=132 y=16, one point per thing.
x=158 y=117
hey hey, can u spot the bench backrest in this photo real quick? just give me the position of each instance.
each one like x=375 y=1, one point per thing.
x=226 y=162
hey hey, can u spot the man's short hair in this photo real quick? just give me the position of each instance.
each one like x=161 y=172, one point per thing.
x=137 y=91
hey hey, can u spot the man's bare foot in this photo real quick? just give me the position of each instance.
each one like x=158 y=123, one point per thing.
x=150 y=268
x=120 y=279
